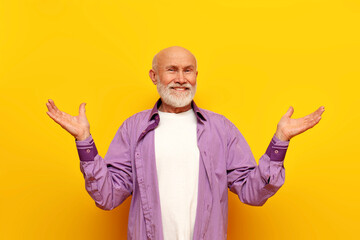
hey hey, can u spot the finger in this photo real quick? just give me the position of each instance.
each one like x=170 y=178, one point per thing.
x=289 y=112
x=318 y=112
x=82 y=109
x=55 y=118
x=55 y=112
x=54 y=106
x=50 y=108
x=313 y=121
x=62 y=122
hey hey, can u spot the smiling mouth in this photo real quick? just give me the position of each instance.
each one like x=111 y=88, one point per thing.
x=179 y=88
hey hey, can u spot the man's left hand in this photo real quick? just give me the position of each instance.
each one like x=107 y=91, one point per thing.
x=288 y=128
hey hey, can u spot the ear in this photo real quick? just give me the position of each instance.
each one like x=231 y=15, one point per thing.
x=197 y=73
x=152 y=76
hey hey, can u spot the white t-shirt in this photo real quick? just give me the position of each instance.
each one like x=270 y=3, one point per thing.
x=177 y=164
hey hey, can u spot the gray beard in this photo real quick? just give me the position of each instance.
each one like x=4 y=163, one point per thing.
x=176 y=99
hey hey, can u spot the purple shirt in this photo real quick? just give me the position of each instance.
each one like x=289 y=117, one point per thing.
x=226 y=161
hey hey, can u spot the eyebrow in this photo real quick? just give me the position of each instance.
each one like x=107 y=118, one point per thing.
x=173 y=66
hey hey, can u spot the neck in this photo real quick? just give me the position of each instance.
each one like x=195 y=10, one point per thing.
x=170 y=109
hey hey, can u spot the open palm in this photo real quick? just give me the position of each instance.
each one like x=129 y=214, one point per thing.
x=288 y=128
x=78 y=126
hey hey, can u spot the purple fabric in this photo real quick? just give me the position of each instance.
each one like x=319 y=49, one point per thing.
x=86 y=150
x=277 y=153
x=226 y=161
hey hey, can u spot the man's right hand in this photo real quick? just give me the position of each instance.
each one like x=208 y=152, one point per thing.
x=78 y=126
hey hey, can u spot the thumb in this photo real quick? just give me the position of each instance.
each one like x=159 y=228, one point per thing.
x=82 y=109
x=289 y=112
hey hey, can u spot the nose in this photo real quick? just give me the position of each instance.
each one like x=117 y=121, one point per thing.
x=180 y=78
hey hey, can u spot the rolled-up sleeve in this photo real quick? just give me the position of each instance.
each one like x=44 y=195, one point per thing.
x=107 y=180
x=253 y=183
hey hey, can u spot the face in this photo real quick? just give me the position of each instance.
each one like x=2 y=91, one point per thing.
x=175 y=94
x=175 y=76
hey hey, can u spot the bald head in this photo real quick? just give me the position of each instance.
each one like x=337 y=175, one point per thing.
x=172 y=55
x=174 y=72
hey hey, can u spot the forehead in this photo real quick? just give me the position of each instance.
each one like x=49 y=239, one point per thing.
x=176 y=57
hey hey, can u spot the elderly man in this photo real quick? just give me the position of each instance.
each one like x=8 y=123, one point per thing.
x=177 y=160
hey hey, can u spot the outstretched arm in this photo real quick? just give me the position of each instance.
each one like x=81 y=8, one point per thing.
x=253 y=183
x=107 y=180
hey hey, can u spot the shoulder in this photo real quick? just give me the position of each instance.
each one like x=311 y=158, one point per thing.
x=220 y=123
x=217 y=119
x=223 y=127
x=132 y=127
x=138 y=119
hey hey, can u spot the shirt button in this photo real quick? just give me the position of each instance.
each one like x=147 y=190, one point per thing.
x=88 y=150
x=276 y=151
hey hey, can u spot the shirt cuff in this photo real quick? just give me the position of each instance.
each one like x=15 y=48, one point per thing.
x=86 y=149
x=277 y=149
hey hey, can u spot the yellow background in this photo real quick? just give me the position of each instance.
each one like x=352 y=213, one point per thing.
x=256 y=58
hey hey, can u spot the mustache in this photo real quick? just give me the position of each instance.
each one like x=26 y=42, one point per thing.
x=185 y=85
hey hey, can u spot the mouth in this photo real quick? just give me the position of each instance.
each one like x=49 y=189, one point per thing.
x=180 y=89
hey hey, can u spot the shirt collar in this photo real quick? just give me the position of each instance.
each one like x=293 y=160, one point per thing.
x=155 y=114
